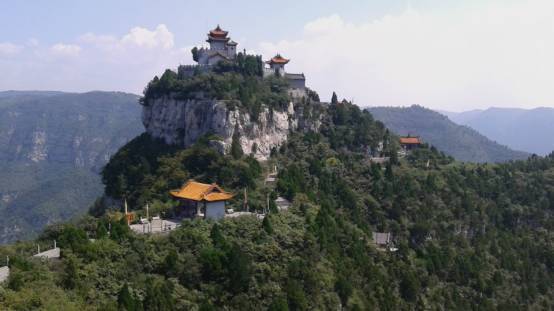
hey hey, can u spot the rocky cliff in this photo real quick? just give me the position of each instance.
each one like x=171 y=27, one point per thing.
x=182 y=122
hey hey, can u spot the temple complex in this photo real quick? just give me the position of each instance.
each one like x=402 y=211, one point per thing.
x=222 y=48
x=277 y=64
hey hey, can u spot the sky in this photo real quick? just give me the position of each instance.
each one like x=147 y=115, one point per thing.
x=441 y=54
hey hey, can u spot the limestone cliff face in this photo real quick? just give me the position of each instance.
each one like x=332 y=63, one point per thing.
x=182 y=122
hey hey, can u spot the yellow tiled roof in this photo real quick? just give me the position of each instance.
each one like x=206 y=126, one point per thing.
x=196 y=191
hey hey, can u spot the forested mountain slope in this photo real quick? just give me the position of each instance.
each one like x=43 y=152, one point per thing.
x=530 y=130
x=52 y=146
x=468 y=236
x=461 y=142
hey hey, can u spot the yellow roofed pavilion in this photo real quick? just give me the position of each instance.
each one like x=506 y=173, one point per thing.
x=201 y=192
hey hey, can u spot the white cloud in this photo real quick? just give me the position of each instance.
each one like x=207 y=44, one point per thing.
x=160 y=37
x=489 y=54
x=7 y=48
x=105 y=62
x=472 y=56
x=65 y=49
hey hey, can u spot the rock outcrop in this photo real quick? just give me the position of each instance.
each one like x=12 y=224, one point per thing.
x=182 y=122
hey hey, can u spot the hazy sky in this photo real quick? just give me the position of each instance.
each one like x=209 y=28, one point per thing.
x=453 y=55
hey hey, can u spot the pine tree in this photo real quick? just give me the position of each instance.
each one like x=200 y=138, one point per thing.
x=334 y=99
x=296 y=296
x=279 y=304
x=344 y=288
x=266 y=224
x=239 y=270
x=125 y=300
x=236 y=148
x=194 y=52
x=217 y=237
x=101 y=231
x=70 y=276
x=158 y=296
x=170 y=262
x=388 y=172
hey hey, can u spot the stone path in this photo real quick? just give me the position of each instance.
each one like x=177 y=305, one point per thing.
x=156 y=226
x=238 y=214
x=49 y=254
x=4 y=273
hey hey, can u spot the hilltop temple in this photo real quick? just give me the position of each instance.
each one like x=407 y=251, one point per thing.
x=277 y=64
x=222 y=48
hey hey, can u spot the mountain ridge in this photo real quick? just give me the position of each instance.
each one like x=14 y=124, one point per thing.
x=523 y=129
x=50 y=138
x=461 y=142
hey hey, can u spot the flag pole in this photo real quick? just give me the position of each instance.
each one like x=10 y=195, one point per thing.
x=126 y=212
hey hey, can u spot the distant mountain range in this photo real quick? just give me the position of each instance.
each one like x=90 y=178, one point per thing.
x=52 y=146
x=461 y=142
x=529 y=130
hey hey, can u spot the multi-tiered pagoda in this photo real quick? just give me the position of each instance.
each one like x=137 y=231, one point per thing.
x=221 y=48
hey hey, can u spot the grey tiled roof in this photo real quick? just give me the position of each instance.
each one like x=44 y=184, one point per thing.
x=382 y=238
x=295 y=76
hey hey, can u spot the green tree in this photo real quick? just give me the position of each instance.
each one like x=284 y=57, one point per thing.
x=126 y=301
x=409 y=286
x=101 y=231
x=236 y=148
x=344 y=289
x=71 y=272
x=239 y=269
x=216 y=235
x=171 y=262
x=266 y=224
x=296 y=297
x=278 y=304
x=194 y=52
x=158 y=296
x=334 y=99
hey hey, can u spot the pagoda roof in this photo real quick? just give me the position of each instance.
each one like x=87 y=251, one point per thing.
x=212 y=38
x=196 y=191
x=382 y=238
x=410 y=140
x=232 y=43
x=278 y=59
x=217 y=32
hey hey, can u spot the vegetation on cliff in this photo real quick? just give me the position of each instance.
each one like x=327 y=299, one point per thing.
x=464 y=233
x=469 y=237
x=241 y=83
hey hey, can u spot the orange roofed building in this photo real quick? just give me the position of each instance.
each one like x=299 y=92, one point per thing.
x=297 y=81
x=409 y=143
x=198 y=199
